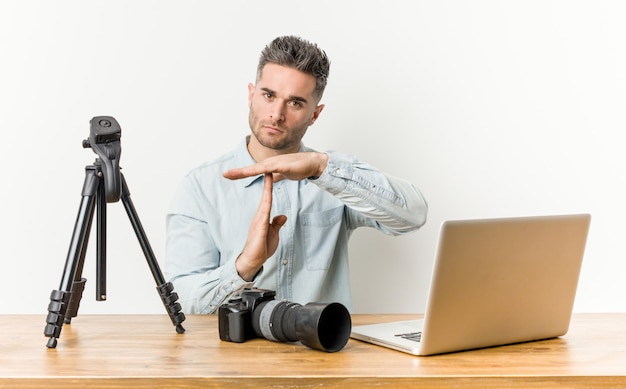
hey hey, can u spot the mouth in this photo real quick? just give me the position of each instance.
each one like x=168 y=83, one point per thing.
x=273 y=130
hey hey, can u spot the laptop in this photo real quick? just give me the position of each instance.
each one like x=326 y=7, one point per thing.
x=495 y=282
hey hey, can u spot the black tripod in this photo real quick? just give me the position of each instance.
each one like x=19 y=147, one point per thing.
x=103 y=183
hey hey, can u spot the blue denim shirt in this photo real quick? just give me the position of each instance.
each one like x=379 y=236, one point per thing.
x=209 y=218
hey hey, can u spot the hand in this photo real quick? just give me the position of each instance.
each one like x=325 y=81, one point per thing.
x=262 y=240
x=293 y=166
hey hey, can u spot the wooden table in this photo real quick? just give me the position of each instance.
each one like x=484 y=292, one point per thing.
x=123 y=351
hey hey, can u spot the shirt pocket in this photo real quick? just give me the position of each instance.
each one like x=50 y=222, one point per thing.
x=321 y=231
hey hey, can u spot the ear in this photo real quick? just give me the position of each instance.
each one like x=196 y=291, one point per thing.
x=250 y=93
x=316 y=113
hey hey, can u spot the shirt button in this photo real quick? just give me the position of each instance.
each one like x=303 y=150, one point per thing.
x=285 y=262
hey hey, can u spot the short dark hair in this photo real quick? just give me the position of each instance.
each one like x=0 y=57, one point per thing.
x=299 y=54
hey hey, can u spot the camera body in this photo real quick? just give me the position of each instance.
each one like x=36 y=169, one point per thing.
x=235 y=317
x=256 y=314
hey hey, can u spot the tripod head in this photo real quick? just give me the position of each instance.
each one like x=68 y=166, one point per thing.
x=104 y=139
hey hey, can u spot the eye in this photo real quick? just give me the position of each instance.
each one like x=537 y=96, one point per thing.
x=296 y=104
x=268 y=95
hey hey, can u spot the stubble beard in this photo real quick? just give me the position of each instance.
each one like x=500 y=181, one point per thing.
x=288 y=141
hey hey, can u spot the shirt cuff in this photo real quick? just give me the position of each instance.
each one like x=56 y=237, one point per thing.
x=338 y=170
x=238 y=284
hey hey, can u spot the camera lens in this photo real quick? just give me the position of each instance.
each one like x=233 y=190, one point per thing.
x=320 y=326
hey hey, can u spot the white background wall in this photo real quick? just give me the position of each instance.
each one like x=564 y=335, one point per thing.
x=493 y=108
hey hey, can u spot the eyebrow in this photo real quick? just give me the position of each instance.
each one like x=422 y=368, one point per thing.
x=294 y=98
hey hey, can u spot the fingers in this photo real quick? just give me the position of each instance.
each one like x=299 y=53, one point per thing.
x=266 y=199
x=266 y=204
x=262 y=238
x=279 y=221
x=248 y=171
x=273 y=165
x=293 y=166
x=239 y=173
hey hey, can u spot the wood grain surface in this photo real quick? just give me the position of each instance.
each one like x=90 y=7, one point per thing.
x=124 y=351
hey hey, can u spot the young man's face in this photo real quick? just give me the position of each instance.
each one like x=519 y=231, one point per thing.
x=282 y=107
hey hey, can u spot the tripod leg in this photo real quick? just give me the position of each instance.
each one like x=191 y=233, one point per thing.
x=70 y=289
x=101 y=249
x=165 y=289
x=78 y=286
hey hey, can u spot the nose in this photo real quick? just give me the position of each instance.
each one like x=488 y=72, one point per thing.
x=278 y=113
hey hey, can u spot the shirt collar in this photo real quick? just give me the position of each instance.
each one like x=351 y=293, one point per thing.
x=243 y=158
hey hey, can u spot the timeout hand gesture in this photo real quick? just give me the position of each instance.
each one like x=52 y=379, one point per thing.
x=262 y=240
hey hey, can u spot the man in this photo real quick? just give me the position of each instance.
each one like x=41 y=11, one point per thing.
x=220 y=239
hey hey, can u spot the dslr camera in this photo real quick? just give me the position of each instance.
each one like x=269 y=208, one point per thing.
x=256 y=314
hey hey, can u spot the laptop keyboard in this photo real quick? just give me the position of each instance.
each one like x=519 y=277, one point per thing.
x=414 y=336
